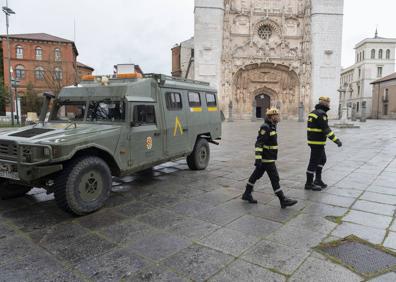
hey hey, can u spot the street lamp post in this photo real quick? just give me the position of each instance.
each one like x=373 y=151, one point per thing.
x=7 y=11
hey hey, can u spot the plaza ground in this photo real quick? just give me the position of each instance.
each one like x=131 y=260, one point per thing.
x=179 y=225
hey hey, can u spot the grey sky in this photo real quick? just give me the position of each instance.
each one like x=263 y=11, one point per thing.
x=144 y=31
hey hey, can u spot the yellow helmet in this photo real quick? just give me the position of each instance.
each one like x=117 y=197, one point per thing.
x=325 y=99
x=272 y=112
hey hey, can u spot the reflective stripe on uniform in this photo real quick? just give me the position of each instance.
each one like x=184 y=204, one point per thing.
x=317 y=142
x=310 y=172
x=330 y=134
x=259 y=149
x=268 y=161
x=313 y=115
x=251 y=184
x=334 y=139
x=258 y=157
x=321 y=166
x=271 y=147
x=272 y=133
x=279 y=190
x=314 y=129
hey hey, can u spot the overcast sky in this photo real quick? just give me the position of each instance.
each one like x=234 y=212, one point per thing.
x=144 y=31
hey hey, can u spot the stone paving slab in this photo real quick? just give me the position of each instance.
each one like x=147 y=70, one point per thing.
x=272 y=255
x=198 y=262
x=368 y=219
x=243 y=271
x=317 y=270
x=174 y=224
x=390 y=241
x=373 y=235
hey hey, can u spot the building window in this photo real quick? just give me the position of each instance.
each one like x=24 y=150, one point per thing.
x=372 y=54
x=388 y=54
x=379 y=72
x=19 y=52
x=58 y=75
x=386 y=95
x=363 y=55
x=357 y=107
x=39 y=53
x=380 y=54
x=39 y=73
x=360 y=73
x=173 y=101
x=265 y=32
x=58 y=55
x=20 y=72
x=358 y=90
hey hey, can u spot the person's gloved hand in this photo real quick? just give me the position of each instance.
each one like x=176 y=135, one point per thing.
x=339 y=143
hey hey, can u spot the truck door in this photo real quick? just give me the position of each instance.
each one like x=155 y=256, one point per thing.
x=175 y=106
x=145 y=135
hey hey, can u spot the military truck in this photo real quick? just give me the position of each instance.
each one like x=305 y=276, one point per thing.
x=108 y=127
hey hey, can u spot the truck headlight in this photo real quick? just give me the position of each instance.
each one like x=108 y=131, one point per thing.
x=32 y=154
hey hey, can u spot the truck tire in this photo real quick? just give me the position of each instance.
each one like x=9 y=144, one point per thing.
x=199 y=158
x=9 y=190
x=83 y=186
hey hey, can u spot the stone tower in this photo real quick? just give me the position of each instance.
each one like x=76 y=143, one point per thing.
x=208 y=40
x=326 y=36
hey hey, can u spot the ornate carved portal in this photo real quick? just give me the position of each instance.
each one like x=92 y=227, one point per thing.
x=266 y=83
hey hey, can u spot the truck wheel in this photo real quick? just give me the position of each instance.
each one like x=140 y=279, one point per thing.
x=83 y=186
x=199 y=158
x=9 y=190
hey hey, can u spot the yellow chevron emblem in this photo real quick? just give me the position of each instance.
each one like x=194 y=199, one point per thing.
x=178 y=126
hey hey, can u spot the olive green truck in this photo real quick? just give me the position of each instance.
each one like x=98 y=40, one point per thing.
x=108 y=127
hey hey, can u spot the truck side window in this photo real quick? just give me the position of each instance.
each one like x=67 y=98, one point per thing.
x=144 y=115
x=173 y=101
x=211 y=100
x=194 y=99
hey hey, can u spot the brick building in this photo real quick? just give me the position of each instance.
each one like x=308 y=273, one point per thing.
x=384 y=97
x=40 y=61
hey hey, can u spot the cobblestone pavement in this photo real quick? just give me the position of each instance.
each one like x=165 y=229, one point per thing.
x=180 y=225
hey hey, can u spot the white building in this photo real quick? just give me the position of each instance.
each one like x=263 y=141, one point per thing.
x=374 y=58
x=262 y=53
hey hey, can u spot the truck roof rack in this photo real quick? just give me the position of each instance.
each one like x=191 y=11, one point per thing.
x=164 y=77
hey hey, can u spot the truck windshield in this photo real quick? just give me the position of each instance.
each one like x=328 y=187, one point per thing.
x=105 y=111
x=68 y=111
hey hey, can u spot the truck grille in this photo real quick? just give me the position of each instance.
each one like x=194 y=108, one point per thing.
x=8 y=150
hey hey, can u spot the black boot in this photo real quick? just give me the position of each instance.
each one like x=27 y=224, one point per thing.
x=320 y=183
x=284 y=201
x=310 y=185
x=318 y=179
x=247 y=196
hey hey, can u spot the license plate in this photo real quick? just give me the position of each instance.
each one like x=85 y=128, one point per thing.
x=7 y=171
x=9 y=175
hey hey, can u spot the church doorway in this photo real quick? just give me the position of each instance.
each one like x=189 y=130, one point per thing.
x=263 y=102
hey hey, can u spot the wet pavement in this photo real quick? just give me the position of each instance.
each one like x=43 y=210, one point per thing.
x=179 y=225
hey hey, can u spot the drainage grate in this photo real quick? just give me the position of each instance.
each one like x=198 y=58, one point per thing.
x=361 y=256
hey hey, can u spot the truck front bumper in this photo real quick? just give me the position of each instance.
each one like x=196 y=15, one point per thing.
x=14 y=164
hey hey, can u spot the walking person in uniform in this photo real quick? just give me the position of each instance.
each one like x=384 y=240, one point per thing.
x=266 y=155
x=317 y=132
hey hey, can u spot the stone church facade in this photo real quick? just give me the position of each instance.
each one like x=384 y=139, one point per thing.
x=262 y=53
